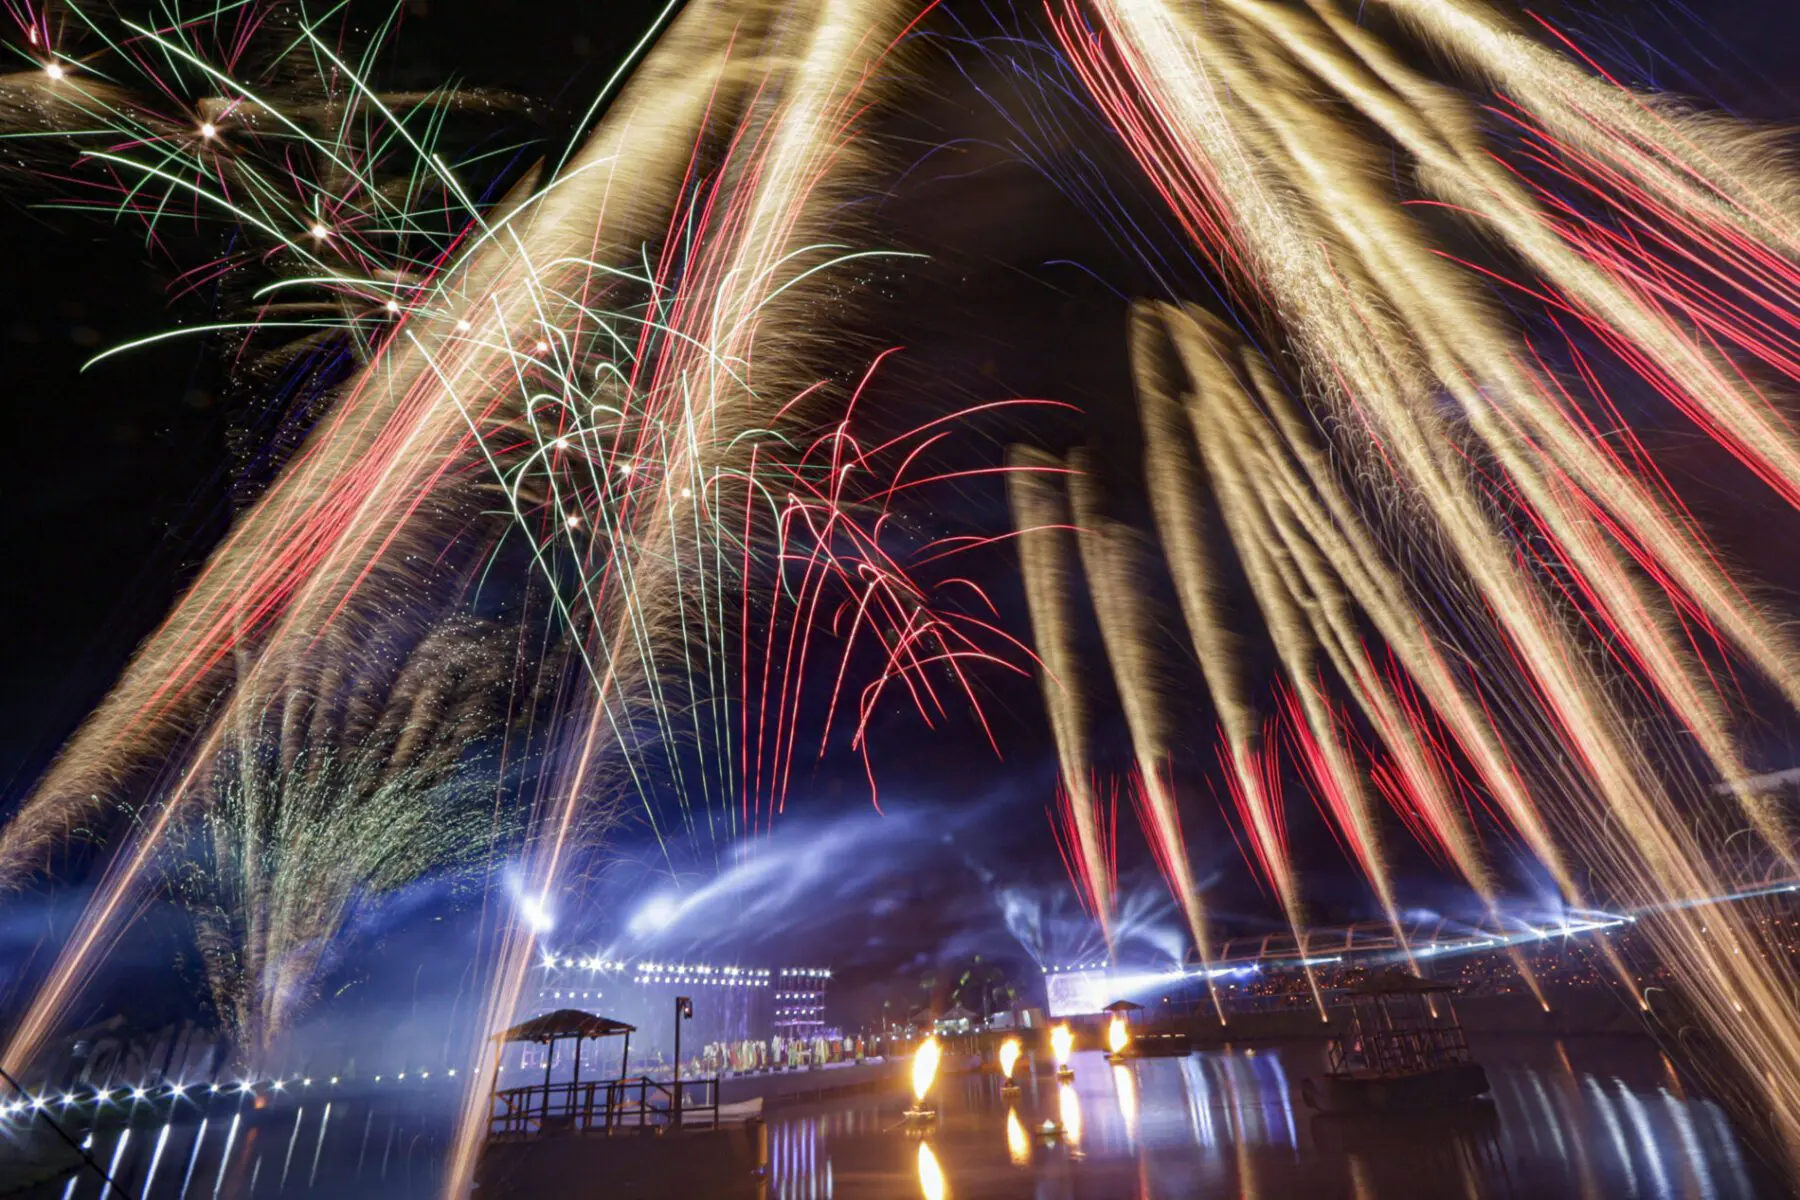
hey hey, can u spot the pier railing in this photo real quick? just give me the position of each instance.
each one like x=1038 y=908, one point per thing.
x=602 y=1106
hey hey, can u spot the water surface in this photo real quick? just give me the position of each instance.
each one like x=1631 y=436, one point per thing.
x=1585 y=1120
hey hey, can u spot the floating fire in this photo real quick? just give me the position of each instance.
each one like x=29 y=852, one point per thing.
x=1062 y=1041
x=1117 y=1036
x=924 y=1070
x=1009 y=1057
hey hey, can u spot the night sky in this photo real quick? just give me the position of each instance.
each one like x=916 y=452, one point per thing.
x=116 y=481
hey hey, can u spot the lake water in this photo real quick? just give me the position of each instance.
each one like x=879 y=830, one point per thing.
x=1595 y=1120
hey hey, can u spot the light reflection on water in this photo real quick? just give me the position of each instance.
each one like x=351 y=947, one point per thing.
x=1589 y=1121
x=1594 y=1122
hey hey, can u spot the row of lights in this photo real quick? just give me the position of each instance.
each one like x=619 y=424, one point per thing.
x=702 y=969
x=174 y=1091
x=552 y=961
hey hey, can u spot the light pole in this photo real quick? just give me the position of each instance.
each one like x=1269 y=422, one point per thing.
x=684 y=1010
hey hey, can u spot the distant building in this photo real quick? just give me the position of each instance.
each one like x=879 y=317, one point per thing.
x=732 y=1002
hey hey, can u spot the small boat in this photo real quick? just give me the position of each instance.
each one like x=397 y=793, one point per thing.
x=1401 y=1049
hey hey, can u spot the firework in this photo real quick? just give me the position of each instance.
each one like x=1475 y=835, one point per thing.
x=619 y=368
x=612 y=367
x=359 y=777
x=1241 y=118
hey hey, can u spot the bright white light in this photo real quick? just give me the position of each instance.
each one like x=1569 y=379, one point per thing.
x=280 y=1086
x=179 y=1089
x=137 y=1093
x=537 y=915
x=68 y=1097
x=334 y=1080
x=542 y=347
x=656 y=915
x=208 y=131
x=393 y=306
x=306 y=1083
x=213 y=1088
x=463 y=327
x=320 y=231
x=55 y=70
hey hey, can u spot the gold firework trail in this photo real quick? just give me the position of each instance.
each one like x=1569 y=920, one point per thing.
x=1114 y=566
x=1046 y=558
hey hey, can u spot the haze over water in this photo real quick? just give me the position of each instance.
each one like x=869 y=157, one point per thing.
x=1597 y=1118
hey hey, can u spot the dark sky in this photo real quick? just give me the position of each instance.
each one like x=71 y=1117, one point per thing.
x=114 y=480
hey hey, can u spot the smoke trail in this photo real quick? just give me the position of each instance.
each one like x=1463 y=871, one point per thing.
x=1114 y=566
x=1041 y=516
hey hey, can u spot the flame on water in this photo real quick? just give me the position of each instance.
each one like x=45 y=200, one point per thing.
x=1117 y=1036
x=1009 y=1056
x=1018 y=1144
x=931 y=1176
x=1068 y=1106
x=1061 y=1043
x=924 y=1068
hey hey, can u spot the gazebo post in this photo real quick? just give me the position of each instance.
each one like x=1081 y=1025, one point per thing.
x=575 y=1079
x=625 y=1059
x=549 y=1061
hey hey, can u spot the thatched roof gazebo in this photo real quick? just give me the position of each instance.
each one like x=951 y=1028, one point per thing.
x=564 y=1023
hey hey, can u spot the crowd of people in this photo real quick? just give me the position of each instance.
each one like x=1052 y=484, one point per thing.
x=779 y=1053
